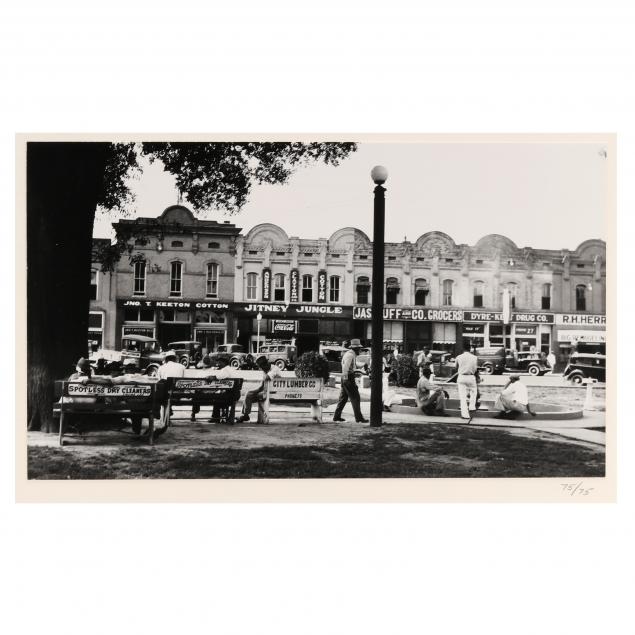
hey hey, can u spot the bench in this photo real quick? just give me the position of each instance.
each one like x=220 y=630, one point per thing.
x=293 y=390
x=205 y=391
x=103 y=400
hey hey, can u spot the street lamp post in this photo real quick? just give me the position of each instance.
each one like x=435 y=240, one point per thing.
x=379 y=174
x=258 y=320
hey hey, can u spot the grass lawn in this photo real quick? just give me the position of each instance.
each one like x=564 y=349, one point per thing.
x=326 y=451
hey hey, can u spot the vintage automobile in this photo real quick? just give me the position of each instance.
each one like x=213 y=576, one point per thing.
x=145 y=352
x=442 y=363
x=188 y=353
x=238 y=357
x=333 y=356
x=284 y=356
x=491 y=360
x=526 y=362
x=585 y=366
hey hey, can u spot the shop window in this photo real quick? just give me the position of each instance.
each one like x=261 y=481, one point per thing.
x=95 y=320
x=213 y=245
x=512 y=287
x=334 y=289
x=139 y=278
x=209 y=317
x=252 y=286
x=479 y=288
x=307 y=288
x=580 y=298
x=444 y=336
x=211 y=286
x=174 y=315
x=363 y=289
x=421 y=291
x=447 y=292
x=137 y=314
x=546 y=296
x=176 y=274
x=393 y=332
x=177 y=243
x=392 y=291
x=278 y=287
x=94 y=279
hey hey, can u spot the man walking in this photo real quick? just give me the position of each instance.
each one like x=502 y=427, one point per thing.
x=467 y=365
x=349 y=388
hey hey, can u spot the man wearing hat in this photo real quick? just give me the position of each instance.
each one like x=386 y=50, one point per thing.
x=349 y=388
x=513 y=400
x=259 y=395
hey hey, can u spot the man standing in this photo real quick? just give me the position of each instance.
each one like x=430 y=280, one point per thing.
x=171 y=368
x=259 y=394
x=467 y=365
x=551 y=360
x=424 y=360
x=513 y=400
x=349 y=388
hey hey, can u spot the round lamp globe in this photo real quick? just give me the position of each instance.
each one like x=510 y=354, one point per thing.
x=379 y=174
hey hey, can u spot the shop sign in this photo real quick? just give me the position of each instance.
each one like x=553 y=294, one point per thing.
x=473 y=329
x=598 y=337
x=484 y=316
x=410 y=314
x=294 y=282
x=135 y=330
x=175 y=304
x=292 y=310
x=525 y=330
x=321 y=282
x=266 y=284
x=575 y=319
x=283 y=327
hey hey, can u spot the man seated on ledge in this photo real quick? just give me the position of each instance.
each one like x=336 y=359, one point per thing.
x=513 y=400
x=259 y=394
x=430 y=398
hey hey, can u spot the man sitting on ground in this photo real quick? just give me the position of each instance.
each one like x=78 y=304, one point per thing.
x=513 y=400
x=259 y=394
x=430 y=398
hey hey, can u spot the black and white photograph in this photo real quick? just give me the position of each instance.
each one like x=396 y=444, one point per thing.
x=318 y=308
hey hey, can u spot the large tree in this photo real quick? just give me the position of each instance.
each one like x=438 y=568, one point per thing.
x=67 y=182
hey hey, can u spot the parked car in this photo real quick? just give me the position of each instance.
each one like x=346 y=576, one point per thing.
x=145 y=352
x=284 y=356
x=187 y=353
x=526 y=362
x=586 y=366
x=238 y=357
x=491 y=360
x=443 y=364
x=334 y=356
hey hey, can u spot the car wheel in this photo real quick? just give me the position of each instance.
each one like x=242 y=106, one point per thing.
x=488 y=369
x=576 y=379
x=152 y=371
x=280 y=364
x=533 y=369
x=185 y=361
x=234 y=363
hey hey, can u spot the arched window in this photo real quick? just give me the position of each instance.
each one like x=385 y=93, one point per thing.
x=363 y=289
x=278 y=287
x=252 y=286
x=334 y=289
x=139 y=276
x=211 y=285
x=422 y=288
x=512 y=287
x=479 y=292
x=447 y=292
x=580 y=297
x=177 y=243
x=176 y=278
x=213 y=245
x=546 y=296
x=392 y=291
x=307 y=288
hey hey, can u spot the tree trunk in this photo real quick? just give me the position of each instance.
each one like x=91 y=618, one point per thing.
x=64 y=181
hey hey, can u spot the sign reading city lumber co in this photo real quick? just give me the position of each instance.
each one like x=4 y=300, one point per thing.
x=410 y=313
x=294 y=279
x=484 y=316
x=266 y=284
x=293 y=310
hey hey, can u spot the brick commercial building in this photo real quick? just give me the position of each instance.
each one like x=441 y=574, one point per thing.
x=204 y=280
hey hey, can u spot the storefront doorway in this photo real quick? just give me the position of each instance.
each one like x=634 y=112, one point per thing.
x=210 y=339
x=173 y=333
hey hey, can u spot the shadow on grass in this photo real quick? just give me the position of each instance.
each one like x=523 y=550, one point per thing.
x=393 y=451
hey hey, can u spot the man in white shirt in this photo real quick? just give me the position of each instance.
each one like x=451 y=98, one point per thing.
x=349 y=388
x=259 y=394
x=466 y=366
x=513 y=400
x=171 y=368
x=430 y=398
x=551 y=360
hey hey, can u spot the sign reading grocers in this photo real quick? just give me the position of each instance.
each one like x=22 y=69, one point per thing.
x=100 y=390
